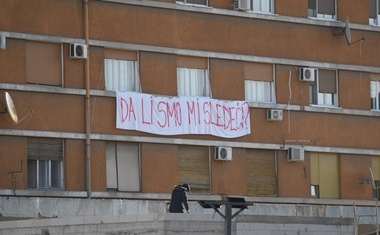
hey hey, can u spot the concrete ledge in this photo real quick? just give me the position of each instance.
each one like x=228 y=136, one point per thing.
x=294 y=220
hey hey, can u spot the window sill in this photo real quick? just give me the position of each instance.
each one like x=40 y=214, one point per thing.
x=374 y=25
x=324 y=106
x=192 y=5
x=262 y=13
x=322 y=19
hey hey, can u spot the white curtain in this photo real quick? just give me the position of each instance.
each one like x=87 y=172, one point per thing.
x=120 y=75
x=192 y=82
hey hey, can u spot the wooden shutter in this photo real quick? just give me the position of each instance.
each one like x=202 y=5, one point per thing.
x=261 y=173
x=372 y=9
x=43 y=63
x=326 y=7
x=194 y=167
x=327 y=81
x=45 y=149
x=111 y=170
x=258 y=71
x=328 y=173
x=128 y=170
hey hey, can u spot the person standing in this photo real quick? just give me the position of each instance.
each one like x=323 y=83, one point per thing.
x=178 y=201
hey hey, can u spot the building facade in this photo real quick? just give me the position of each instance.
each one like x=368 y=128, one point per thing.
x=308 y=71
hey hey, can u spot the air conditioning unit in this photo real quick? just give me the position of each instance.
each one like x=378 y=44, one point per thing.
x=296 y=154
x=2 y=42
x=223 y=153
x=274 y=115
x=78 y=51
x=242 y=5
x=308 y=74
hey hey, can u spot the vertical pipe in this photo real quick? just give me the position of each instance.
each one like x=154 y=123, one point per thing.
x=88 y=101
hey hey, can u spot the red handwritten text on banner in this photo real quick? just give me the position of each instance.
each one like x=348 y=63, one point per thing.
x=183 y=115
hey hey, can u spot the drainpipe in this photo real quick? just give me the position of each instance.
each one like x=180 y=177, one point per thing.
x=88 y=101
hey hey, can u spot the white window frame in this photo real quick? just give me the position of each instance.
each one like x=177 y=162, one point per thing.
x=259 y=91
x=323 y=99
x=121 y=75
x=48 y=174
x=188 y=2
x=259 y=6
x=315 y=14
x=45 y=150
x=375 y=95
x=187 y=82
x=375 y=21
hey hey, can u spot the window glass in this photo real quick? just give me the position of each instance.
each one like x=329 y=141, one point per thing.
x=375 y=95
x=374 y=12
x=258 y=91
x=264 y=6
x=45 y=163
x=324 y=9
x=32 y=174
x=120 y=75
x=192 y=82
x=323 y=91
x=55 y=174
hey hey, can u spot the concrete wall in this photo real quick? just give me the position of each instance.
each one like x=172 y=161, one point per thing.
x=178 y=224
x=119 y=216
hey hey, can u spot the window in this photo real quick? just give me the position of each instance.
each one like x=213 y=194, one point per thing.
x=375 y=95
x=43 y=63
x=193 y=167
x=324 y=174
x=262 y=6
x=196 y=2
x=259 y=85
x=192 y=82
x=45 y=163
x=323 y=91
x=123 y=166
x=374 y=12
x=322 y=9
x=121 y=75
x=261 y=173
x=314 y=191
x=375 y=166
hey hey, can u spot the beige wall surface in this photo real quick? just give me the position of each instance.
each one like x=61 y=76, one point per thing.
x=353 y=169
x=293 y=177
x=190 y=30
x=13 y=151
x=75 y=165
x=50 y=17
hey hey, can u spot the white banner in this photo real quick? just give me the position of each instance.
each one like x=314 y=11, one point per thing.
x=184 y=115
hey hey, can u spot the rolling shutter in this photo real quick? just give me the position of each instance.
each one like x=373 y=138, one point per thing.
x=194 y=167
x=45 y=149
x=261 y=173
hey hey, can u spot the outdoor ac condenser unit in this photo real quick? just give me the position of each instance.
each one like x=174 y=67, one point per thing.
x=242 y=5
x=274 y=115
x=2 y=42
x=296 y=154
x=223 y=153
x=308 y=74
x=78 y=51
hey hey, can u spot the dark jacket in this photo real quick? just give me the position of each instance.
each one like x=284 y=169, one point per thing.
x=178 y=200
